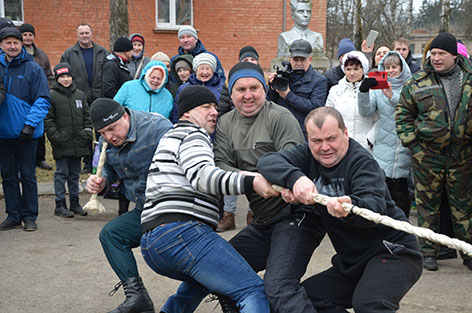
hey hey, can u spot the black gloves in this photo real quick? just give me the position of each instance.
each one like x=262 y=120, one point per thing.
x=367 y=83
x=27 y=133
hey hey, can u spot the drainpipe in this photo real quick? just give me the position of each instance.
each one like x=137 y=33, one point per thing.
x=284 y=15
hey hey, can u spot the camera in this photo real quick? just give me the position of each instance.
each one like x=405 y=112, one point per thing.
x=281 y=80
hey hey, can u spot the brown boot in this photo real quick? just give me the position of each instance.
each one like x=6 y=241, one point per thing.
x=226 y=223
x=249 y=217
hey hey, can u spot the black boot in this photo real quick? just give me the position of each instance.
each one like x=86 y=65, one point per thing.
x=62 y=210
x=76 y=207
x=137 y=299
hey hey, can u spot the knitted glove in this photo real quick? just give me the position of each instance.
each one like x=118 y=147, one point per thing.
x=367 y=83
x=27 y=133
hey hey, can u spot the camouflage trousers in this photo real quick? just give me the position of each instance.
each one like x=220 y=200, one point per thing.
x=434 y=175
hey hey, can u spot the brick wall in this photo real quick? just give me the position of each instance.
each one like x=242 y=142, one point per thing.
x=224 y=26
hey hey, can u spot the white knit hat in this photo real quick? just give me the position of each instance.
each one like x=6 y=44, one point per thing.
x=187 y=30
x=356 y=55
x=204 y=58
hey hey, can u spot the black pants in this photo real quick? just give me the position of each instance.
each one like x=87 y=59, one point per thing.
x=385 y=280
x=398 y=188
x=283 y=248
x=41 y=150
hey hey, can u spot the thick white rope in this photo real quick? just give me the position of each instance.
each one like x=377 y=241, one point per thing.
x=93 y=205
x=398 y=225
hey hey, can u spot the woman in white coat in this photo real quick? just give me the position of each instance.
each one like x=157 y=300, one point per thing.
x=343 y=97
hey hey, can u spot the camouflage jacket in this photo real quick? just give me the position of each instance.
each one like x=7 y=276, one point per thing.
x=422 y=116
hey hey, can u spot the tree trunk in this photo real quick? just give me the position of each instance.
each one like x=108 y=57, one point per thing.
x=118 y=20
x=358 y=24
x=409 y=23
x=445 y=16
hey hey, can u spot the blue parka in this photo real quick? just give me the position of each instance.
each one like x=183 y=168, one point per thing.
x=137 y=95
x=215 y=84
x=388 y=151
x=27 y=95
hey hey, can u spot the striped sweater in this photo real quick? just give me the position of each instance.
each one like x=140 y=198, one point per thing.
x=183 y=178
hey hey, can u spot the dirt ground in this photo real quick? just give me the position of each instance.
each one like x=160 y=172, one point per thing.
x=61 y=268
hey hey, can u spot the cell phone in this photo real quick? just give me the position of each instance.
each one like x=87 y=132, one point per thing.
x=371 y=38
x=381 y=78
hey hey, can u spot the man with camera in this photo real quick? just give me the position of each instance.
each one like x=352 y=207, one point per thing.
x=298 y=87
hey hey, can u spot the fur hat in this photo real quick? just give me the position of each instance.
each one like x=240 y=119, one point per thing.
x=356 y=55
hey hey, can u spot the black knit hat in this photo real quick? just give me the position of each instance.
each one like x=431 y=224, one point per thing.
x=445 y=41
x=104 y=112
x=247 y=52
x=122 y=44
x=27 y=28
x=10 y=32
x=62 y=69
x=193 y=96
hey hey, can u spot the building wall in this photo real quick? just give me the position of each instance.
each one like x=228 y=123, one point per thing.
x=224 y=26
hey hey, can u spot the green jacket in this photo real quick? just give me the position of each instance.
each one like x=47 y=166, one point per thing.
x=423 y=119
x=241 y=141
x=68 y=124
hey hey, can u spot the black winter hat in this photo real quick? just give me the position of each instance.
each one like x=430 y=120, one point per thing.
x=10 y=32
x=193 y=96
x=248 y=51
x=62 y=69
x=27 y=28
x=105 y=111
x=6 y=22
x=445 y=41
x=122 y=44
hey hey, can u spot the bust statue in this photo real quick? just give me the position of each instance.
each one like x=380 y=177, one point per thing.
x=301 y=15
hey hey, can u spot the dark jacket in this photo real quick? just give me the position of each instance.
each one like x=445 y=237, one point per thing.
x=225 y=104
x=333 y=76
x=114 y=75
x=307 y=92
x=413 y=66
x=27 y=95
x=68 y=124
x=215 y=84
x=74 y=57
x=199 y=48
x=42 y=59
x=173 y=73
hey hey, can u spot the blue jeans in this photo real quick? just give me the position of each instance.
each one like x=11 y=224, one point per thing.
x=17 y=155
x=193 y=253
x=67 y=170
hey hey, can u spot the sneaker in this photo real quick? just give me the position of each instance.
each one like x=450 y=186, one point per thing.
x=226 y=223
x=7 y=225
x=430 y=263
x=44 y=165
x=446 y=253
x=468 y=263
x=30 y=226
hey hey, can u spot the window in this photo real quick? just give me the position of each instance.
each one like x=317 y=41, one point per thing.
x=173 y=13
x=12 y=9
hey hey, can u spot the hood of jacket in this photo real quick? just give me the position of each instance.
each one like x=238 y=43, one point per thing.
x=404 y=75
x=149 y=67
x=185 y=57
x=214 y=80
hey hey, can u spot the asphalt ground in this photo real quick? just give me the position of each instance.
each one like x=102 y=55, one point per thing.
x=61 y=268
